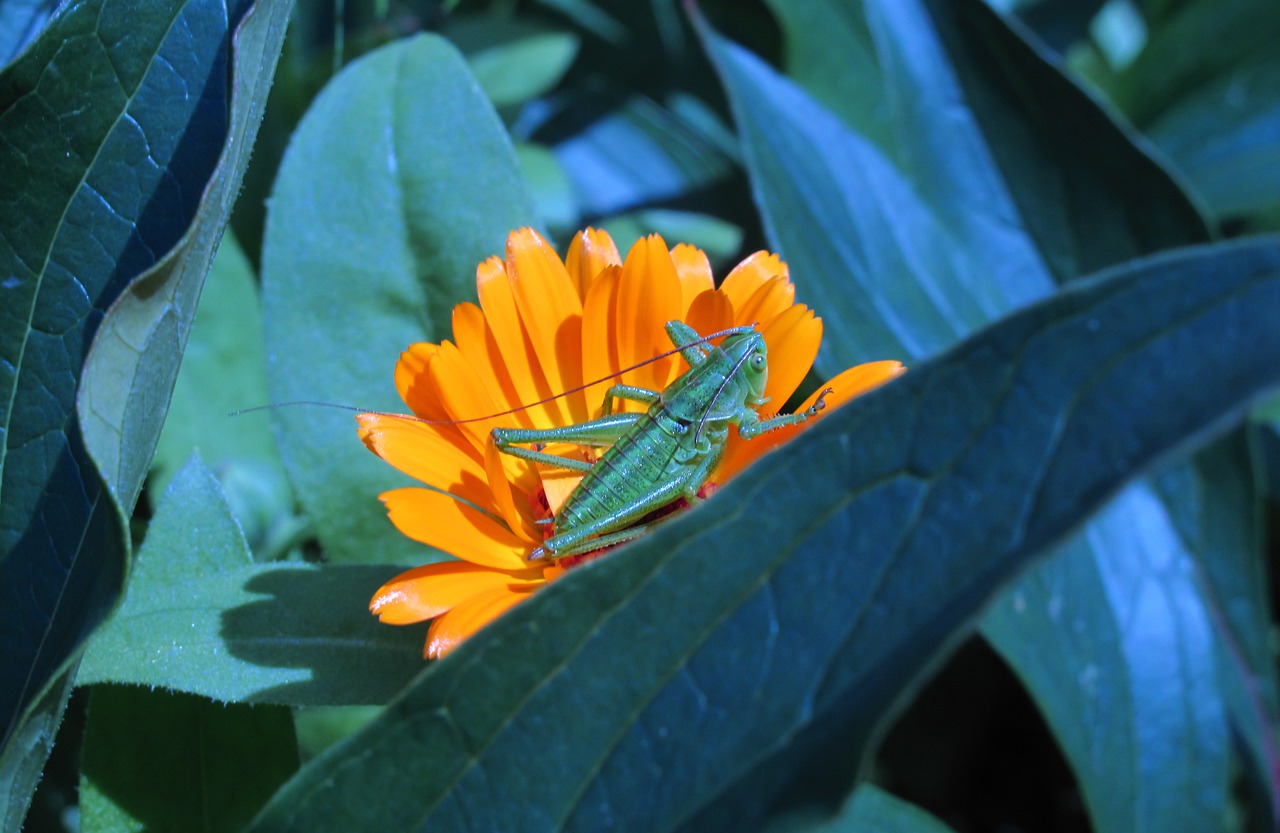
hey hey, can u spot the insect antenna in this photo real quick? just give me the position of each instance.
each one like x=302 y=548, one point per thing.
x=697 y=435
x=407 y=418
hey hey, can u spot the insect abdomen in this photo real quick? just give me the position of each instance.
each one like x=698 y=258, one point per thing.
x=628 y=469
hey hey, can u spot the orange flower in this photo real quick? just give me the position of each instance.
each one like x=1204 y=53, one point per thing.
x=545 y=326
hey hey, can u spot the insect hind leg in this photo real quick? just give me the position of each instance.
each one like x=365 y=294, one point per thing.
x=594 y=432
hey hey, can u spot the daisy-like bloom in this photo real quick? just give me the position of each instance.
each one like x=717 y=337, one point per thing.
x=544 y=326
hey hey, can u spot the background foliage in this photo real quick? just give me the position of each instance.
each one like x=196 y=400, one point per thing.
x=1028 y=586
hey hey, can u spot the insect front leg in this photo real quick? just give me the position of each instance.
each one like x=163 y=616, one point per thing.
x=752 y=426
x=594 y=432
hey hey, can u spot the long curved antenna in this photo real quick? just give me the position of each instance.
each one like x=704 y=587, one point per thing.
x=697 y=435
x=406 y=417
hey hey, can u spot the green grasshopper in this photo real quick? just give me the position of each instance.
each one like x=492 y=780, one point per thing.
x=653 y=459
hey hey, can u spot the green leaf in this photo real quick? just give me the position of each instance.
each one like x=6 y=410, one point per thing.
x=643 y=152
x=949 y=192
x=514 y=60
x=696 y=676
x=969 y=71
x=130 y=372
x=720 y=240
x=1207 y=90
x=223 y=366
x=111 y=125
x=869 y=810
x=1116 y=615
x=550 y=188
x=201 y=617
x=1218 y=514
x=892 y=276
x=20 y=22
x=156 y=760
x=398 y=183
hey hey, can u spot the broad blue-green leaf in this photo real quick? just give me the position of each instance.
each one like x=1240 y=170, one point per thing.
x=643 y=152
x=157 y=760
x=224 y=365
x=130 y=372
x=514 y=60
x=1006 y=139
x=549 y=188
x=709 y=661
x=111 y=129
x=1206 y=88
x=720 y=240
x=911 y=279
x=946 y=192
x=20 y=22
x=397 y=184
x=201 y=617
x=869 y=810
x=1113 y=638
x=1216 y=508
x=1266 y=433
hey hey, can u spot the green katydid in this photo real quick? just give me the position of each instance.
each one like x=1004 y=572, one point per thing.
x=654 y=458
x=651 y=459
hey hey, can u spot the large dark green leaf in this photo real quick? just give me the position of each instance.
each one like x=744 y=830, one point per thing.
x=398 y=183
x=715 y=657
x=1067 y=169
x=201 y=617
x=155 y=760
x=112 y=128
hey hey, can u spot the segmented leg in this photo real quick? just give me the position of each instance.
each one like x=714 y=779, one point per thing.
x=752 y=426
x=602 y=431
x=580 y=539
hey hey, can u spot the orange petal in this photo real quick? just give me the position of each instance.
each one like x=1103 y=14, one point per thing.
x=694 y=271
x=477 y=343
x=435 y=454
x=648 y=297
x=448 y=630
x=857 y=380
x=516 y=514
x=523 y=368
x=748 y=276
x=769 y=300
x=589 y=253
x=710 y=312
x=847 y=385
x=793 y=339
x=551 y=309
x=426 y=592
x=411 y=381
x=454 y=379
x=444 y=522
x=599 y=340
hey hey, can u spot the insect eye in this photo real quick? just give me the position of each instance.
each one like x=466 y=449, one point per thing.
x=758 y=362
